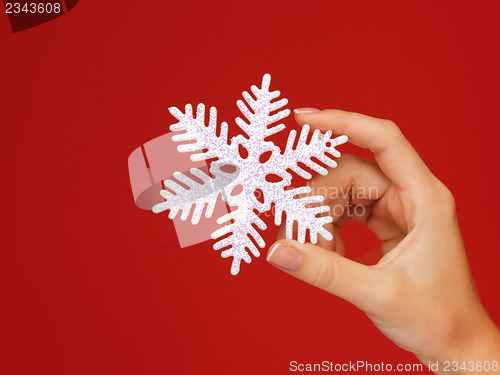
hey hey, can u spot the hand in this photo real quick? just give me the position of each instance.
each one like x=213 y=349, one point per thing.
x=421 y=293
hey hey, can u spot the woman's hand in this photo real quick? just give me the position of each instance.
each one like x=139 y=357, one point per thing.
x=421 y=293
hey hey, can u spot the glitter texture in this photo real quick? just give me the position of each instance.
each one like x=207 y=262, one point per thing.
x=261 y=178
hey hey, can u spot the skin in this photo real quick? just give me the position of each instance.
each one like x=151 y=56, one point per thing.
x=421 y=294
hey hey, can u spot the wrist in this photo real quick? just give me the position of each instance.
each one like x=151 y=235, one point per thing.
x=472 y=346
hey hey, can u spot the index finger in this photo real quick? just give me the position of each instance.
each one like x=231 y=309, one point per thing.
x=395 y=155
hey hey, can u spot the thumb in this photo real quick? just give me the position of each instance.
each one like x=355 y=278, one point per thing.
x=357 y=283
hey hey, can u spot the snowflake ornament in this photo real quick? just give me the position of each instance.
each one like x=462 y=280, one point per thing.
x=262 y=176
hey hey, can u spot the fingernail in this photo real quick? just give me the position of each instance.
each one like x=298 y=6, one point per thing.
x=285 y=257
x=305 y=110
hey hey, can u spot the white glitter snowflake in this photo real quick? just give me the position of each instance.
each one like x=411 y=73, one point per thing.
x=249 y=190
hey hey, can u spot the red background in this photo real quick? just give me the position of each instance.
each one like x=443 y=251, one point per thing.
x=90 y=284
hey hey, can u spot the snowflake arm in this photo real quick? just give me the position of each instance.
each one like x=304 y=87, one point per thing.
x=205 y=143
x=319 y=147
x=241 y=231
x=203 y=196
x=181 y=199
x=303 y=210
x=258 y=111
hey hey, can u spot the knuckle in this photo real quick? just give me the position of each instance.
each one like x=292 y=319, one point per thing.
x=446 y=198
x=324 y=277
x=439 y=203
x=392 y=134
x=392 y=128
x=390 y=125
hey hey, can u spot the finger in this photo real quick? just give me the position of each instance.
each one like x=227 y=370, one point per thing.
x=359 y=284
x=360 y=213
x=354 y=190
x=355 y=180
x=387 y=219
x=337 y=244
x=397 y=158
